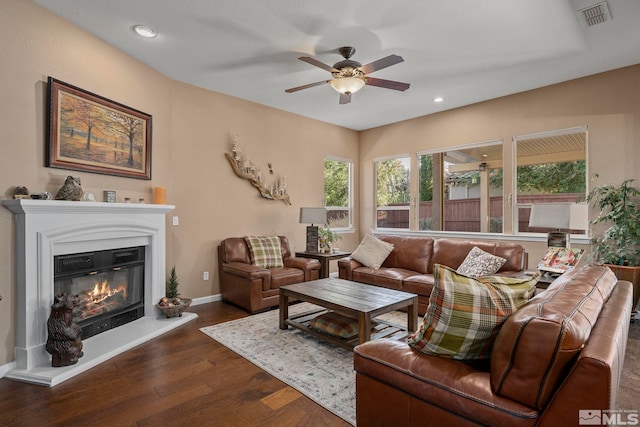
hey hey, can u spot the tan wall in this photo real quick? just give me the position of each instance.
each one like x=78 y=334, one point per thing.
x=213 y=203
x=192 y=128
x=608 y=103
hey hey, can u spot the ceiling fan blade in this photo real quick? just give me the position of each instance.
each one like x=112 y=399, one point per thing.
x=317 y=63
x=381 y=63
x=307 y=86
x=387 y=84
x=345 y=98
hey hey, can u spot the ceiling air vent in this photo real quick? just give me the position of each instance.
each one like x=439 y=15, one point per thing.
x=594 y=15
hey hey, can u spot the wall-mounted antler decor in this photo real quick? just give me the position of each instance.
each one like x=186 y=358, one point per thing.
x=246 y=169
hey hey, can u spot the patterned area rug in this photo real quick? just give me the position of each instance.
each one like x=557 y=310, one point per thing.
x=319 y=370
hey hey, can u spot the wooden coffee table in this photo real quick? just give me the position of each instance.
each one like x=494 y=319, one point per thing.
x=357 y=300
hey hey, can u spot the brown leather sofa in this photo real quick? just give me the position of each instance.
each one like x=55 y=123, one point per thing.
x=256 y=288
x=559 y=354
x=409 y=267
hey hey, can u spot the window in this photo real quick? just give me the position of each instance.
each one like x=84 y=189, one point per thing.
x=337 y=192
x=550 y=168
x=392 y=192
x=461 y=189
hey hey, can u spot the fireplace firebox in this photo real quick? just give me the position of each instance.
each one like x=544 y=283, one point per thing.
x=109 y=286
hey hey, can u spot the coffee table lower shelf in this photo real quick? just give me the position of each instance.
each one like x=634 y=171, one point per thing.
x=381 y=329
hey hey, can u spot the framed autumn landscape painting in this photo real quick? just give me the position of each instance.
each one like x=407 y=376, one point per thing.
x=90 y=133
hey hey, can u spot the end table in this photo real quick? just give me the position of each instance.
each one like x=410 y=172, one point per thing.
x=324 y=258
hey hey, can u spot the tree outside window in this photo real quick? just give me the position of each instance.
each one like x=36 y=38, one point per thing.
x=337 y=192
x=392 y=192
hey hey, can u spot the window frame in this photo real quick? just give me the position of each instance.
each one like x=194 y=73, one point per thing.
x=349 y=207
x=514 y=204
x=442 y=151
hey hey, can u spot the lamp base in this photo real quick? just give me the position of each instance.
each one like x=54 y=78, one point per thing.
x=312 y=238
x=557 y=238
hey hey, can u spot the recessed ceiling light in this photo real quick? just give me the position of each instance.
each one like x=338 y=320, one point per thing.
x=144 y=31
x=438 y=99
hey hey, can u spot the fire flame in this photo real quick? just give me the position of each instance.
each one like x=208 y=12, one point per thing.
x=101 y=291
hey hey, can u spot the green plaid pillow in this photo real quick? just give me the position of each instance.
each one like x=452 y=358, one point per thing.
x=465 y=314
x=265 y=252
x=336 y=324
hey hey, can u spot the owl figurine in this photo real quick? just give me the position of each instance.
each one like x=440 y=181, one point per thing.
x=71 y=189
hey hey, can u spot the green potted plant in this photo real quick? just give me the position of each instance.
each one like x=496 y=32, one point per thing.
x=618 y=246
x=326 y=237
x=172 y=304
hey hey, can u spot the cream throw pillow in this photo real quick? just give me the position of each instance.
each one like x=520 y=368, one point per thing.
x=479 y=263
x=372 y=252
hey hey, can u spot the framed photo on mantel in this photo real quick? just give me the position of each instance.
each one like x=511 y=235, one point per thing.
x=87 y=132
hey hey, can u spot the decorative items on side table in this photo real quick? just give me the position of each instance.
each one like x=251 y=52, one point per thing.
x=326 y=237
x=618 y=246
x=172 y=305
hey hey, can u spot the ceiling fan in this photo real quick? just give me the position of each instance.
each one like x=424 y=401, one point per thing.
x=350 y=76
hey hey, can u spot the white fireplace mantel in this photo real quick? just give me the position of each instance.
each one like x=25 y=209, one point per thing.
x=46 y=228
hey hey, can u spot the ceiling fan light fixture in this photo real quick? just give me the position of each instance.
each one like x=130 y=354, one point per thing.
x=347 y=85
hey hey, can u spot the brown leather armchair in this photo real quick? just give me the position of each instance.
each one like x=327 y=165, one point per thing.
x=256 y=288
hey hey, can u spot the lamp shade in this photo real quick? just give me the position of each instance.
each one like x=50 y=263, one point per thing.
x=313 y=216
x=579 y=216
x=549 y=215
x=347 y=84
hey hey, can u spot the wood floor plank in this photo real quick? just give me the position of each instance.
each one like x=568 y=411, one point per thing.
x=282 y=397
x=139 y=409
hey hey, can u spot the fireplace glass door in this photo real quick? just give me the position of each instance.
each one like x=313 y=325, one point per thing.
x=108 y=286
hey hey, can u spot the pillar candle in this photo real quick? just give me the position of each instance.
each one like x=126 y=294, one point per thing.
x=160 y=195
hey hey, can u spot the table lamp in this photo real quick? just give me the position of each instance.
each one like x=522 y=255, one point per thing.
x=313 y=216
x=579 y=217
x=551 y=215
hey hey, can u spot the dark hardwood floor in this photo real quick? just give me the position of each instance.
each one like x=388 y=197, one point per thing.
x=182 y=378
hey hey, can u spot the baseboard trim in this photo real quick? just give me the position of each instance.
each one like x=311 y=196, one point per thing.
x=6 y=368
x=207 y=299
